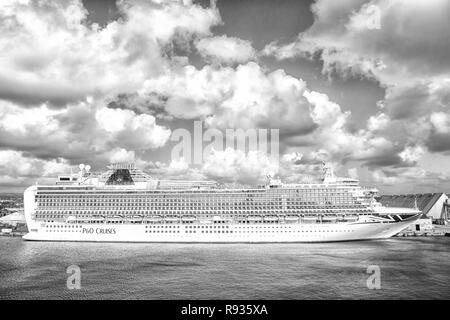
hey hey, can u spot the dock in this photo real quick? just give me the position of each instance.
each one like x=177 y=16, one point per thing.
x=435 y=231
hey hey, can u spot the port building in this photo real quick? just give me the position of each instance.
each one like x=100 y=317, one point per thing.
x=434 y=206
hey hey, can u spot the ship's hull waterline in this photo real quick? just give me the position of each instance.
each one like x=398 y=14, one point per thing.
x=230 y=233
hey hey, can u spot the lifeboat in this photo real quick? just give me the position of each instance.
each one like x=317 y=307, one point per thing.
x=291 y=218
x=254 y=218
x=115 y=218
x=310 y=217
x=351 y=217
x=135 y=218
x=188 y=218
x=153 y=218
x=84 y=219
x=329 y=218
x=96 y=218
x=271 y=218
x=71 y=219
x=172 y=219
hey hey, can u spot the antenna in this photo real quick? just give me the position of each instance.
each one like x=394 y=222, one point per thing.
x=415 y=202
x=328 y=173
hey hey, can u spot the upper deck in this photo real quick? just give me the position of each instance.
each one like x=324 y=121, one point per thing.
x=126 y=187
x=125 y=176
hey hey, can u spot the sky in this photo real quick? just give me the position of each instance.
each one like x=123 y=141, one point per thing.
x=363 y=85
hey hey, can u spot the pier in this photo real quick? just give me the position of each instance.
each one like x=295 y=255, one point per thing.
x=435 y=208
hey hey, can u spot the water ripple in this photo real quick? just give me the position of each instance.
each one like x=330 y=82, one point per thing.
x=411 y=268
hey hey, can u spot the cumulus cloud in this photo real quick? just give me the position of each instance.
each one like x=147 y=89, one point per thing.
x=78 y=131
x=378 y=122
x=74 y=92
x=245 y=97
x=440 y=122
x=409 y=178
x=405 y=48
x=118 y=155
x=331 y=134
x=439 y=137
x=49 y=51
x=132 y=130
x=249 y=97
x=16 y=169
x=403 y=52
x=226 y=50
x=59 y=74
x=411 y=154
x=402 y=45
x=236 y=166
x=177 y=167
x=353 y=173
x=293 y=157
x=129 y=57
x=367 y=18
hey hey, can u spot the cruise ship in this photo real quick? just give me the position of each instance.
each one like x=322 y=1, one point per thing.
x=124 y=204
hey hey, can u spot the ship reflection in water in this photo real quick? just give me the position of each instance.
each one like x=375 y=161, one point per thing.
x=410 y=269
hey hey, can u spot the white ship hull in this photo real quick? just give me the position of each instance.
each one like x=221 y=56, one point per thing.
x=211 y=233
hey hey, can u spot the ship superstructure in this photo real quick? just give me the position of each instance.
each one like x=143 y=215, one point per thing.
x=126 y=204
